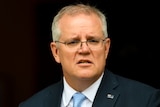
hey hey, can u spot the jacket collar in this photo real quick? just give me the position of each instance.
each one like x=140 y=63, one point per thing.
x=53 y=99
x=107 y=93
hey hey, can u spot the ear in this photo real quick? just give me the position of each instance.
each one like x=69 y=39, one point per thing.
x=55 y=52
x=107 y=46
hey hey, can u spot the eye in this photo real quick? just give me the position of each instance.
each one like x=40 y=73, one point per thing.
x=72 y=43
x=93 y=41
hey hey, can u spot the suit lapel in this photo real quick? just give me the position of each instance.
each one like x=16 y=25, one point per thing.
x=106 y=95
x=54 y=97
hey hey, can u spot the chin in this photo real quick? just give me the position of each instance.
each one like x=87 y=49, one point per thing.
x=86 y=75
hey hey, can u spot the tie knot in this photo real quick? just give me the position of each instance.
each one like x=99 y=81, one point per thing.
x=78 y=98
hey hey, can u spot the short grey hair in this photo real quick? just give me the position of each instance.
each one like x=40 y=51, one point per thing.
x=74 y=10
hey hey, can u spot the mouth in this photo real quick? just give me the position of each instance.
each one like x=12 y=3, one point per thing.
x=84 y=62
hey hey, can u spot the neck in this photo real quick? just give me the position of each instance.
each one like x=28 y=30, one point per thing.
x=80 y=84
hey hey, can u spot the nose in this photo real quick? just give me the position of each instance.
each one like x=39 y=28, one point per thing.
x=84 y=47
x=83 y=42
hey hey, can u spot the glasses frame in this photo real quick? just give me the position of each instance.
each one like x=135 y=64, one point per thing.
x=81 y=42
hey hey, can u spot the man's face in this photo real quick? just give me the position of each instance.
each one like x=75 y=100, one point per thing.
x=83 y=63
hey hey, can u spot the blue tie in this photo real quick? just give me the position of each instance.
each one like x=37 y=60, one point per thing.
x=78 y=98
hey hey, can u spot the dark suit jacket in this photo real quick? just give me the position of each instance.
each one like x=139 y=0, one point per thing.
x=114 y=91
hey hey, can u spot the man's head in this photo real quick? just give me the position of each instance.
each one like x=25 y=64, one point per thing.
x=80 y=43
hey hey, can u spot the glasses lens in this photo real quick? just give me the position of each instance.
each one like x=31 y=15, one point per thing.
x=76 y=44
x=92 y=44
x=95 y=44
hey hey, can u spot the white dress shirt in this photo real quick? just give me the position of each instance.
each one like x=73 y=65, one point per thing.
x=90 y=93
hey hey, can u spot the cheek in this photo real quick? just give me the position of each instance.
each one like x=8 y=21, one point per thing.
x=101 y=54
x=66 y=57
x=100 y=57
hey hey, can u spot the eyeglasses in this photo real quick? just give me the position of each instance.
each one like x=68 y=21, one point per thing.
x=77 y=44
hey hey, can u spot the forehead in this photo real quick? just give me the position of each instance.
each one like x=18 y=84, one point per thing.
x=80 y=23
x=79 y=16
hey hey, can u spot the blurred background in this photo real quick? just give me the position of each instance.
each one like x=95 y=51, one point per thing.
x=26 y=63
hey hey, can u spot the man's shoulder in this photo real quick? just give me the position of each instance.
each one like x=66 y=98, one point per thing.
x=132 y=84
x=129 y=84
x=52 y=91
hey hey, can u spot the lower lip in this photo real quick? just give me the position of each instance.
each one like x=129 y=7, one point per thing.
x=85 y=64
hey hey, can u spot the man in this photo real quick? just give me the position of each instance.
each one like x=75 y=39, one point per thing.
x=81 y=45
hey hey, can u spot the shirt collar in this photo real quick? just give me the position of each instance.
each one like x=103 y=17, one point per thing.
x=67 y=93
x=90 y=92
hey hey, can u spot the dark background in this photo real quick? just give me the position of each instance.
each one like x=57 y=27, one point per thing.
x=26 y=62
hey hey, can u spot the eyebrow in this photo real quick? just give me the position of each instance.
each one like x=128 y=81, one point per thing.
x=78 y=37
